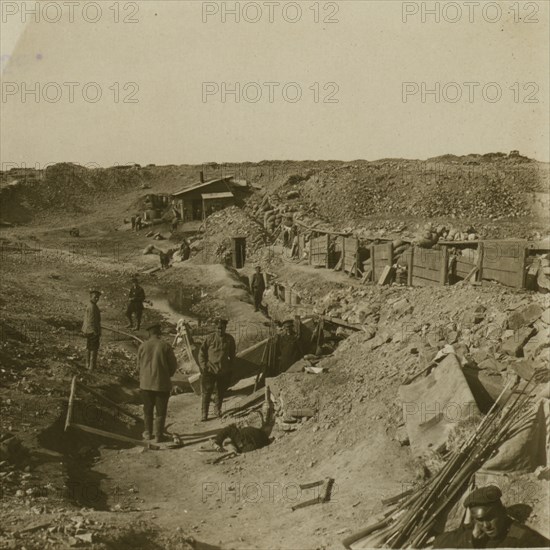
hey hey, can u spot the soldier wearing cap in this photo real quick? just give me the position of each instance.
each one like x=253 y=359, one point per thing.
x=136 y=297
x=157 y=364
x=91 y=328
x=491 y=527
x=258 y=287
x=216 y=357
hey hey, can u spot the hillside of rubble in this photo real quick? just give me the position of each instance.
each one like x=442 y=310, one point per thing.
x=501 y=192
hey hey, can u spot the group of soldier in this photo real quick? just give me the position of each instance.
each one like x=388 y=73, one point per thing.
x=157 y=362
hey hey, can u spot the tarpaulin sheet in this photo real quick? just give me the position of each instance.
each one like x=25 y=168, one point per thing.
x=525 y=449
x=433 y=405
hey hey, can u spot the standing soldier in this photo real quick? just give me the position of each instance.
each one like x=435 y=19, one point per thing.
x=92 y=329
x=216 y=357
x=185 y=250
x=157 y=364
x=135 y=304
x=258 y=287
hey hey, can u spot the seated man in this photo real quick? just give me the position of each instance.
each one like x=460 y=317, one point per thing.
x=491 y=527
x=241 y=440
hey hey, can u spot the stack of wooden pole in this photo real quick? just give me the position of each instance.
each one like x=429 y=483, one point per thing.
x=409 y=524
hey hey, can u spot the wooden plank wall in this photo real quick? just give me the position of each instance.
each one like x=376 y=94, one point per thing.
x=381 y=256
x=338 y=250
x=319 y=251
x=429 y=267
x=350 y=250
x=504 y=262
x=463 y=267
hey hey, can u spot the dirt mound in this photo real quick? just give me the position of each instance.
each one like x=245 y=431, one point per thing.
x=492 y=189
x=220 y=227
x=27 y=194
x=356 y=396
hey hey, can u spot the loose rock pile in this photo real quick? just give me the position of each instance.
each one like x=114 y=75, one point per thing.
x=216 y=243
x=412 y=188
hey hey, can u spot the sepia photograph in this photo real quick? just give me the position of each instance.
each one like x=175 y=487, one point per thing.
x=274 y=275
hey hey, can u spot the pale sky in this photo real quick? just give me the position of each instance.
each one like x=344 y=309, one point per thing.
x=369 y=52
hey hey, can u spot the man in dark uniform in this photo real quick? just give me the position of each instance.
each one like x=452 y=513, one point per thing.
x=216 y=357
x=91 y=328
x=185 y=250
x=241 y=440
x=491 y=527
x=258 y=288
x=135 y=304
x=156 y=364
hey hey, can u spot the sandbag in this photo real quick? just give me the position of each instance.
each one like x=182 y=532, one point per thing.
x=423 y=243
x=526 y=449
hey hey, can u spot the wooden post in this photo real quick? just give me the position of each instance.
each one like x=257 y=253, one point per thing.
x=69 y=417
x=410 y=267
x=444 y=265
x=390 y=254
x=523 y=265
x=480 y=252
x=327 y=262
x=343 y=257
x=372 y=263
x=356 y=252
x=310 y=247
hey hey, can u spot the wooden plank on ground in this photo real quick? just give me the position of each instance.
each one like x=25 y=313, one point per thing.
x=110 y=435
x=340 y=323
x=117 y=331
x=246 y=401
x=385 y=277
x=150 y=271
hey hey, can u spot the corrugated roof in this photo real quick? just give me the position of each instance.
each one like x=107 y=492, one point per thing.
x=226 y=195
x=199 y=185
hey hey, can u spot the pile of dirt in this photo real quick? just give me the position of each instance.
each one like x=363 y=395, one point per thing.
x=356 y=395
x=28 y=194
x=494 y=331
x=483 y=189
x=216 y=243
x=467 y=189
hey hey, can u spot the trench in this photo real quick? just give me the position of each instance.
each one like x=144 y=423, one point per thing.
x=79 y=451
